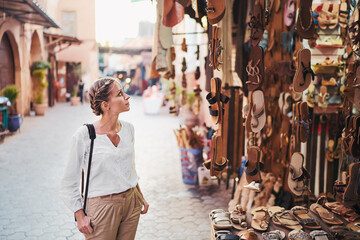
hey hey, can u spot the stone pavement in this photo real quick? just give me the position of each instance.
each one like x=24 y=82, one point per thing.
x=32 y=164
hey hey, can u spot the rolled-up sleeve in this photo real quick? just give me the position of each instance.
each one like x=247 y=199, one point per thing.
x=70 y=183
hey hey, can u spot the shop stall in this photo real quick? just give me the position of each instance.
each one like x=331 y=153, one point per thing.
x=279 y=82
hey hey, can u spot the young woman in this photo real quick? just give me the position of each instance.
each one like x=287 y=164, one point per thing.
x=114 y=197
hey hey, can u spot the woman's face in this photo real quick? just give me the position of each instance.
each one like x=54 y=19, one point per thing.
x=118 y=100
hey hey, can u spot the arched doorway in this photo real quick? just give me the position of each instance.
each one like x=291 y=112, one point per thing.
x=35 y=49
x=7 y=68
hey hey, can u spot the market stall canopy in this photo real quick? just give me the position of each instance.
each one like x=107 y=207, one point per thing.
x=133 y=47
x=61 y=41
x=27 y=11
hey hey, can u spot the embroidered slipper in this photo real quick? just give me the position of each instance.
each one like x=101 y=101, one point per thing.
x=325 y=215
x=299 y=234
x=274 y=235
x=301 y=213
x=286 y=220
x=319 y=235
x=305 y=26
x=253 y=165
x=297 y=174
x=260 y=219
x=304 y=74
x=258 y=115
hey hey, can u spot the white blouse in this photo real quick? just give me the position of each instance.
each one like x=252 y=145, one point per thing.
x=112 y=168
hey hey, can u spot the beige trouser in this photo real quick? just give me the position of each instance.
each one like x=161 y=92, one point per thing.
x=115 y=216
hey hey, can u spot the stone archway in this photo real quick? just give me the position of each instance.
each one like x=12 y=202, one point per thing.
x=7 y=65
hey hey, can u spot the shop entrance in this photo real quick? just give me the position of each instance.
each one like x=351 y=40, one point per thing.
x=7 y=69
x=73 y=75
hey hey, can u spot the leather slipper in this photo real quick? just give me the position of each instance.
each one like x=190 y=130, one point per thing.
x=301 y=213
x=258 y=115
x=260 y=219
x=286 y=219
x=325 y=215
x=304 y=73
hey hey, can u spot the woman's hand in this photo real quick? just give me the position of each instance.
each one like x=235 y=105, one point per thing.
x=146 y=207
x=83 y=222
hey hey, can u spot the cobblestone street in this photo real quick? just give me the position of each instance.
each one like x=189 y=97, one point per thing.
x=32 y=163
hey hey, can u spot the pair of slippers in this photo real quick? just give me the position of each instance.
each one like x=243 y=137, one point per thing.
x=256 y=118
x=301 y=214
x=314 y=235
x=297 y=174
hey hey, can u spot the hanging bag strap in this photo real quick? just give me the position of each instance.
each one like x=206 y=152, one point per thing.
x=92 y=135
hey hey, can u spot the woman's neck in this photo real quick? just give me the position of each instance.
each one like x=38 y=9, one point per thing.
x=109 y=124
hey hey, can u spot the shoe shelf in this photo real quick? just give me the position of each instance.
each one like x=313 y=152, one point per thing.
x=329 y=46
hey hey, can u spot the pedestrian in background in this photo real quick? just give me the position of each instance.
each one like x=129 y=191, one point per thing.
x=81 y=91
x=115 y=200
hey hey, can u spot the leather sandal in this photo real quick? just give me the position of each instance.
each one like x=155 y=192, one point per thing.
x=305 y=23
x=304 y=74
x=325 y=215
x=302 y=121
x=253 y=165
x=301 y=214
x=255 y=68
x=256 y=25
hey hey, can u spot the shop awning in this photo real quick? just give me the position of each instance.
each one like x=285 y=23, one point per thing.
x=62 y=41
x=27 y=11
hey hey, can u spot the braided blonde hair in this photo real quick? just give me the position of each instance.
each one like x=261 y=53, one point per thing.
x=100 y=92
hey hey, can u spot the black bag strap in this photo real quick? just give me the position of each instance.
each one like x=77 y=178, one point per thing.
x=92 y=135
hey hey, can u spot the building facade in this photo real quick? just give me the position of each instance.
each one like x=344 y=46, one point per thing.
x=61 y=32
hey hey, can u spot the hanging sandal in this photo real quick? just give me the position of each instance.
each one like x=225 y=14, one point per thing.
x=253 y=165
x=255 y=68
x=258 y=116
x=304 y=74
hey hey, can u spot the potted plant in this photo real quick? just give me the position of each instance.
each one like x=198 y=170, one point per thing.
x=38 y=72
x=12 y=92
x=74 y=99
